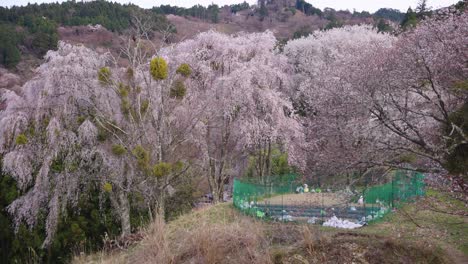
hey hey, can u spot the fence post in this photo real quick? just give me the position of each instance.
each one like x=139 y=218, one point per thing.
x=364 y=202
x=393 y=191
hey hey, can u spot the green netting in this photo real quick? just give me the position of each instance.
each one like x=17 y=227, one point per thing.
x=405 y=187
x=264 y=198
x=249 y=192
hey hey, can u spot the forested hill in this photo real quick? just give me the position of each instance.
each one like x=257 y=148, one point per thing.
x=113 y=16
x=33 y=29
x=28 y=32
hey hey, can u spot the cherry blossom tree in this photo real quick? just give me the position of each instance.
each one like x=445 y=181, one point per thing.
x=83 y=120
x=373 y=99
x=416 y=89
x=239 y=81
x=339 y=127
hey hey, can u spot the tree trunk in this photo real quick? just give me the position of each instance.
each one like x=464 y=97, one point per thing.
x=124 y=212
x=160 y=206
x=268 y=161
x=216 y=181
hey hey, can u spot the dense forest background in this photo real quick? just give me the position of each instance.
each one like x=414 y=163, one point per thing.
x=32 y=29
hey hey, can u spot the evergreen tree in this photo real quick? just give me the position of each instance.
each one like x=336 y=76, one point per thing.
x=410 y=19
x=213 y=11
x=263 y=11
x=383 y=26
x=9 y=53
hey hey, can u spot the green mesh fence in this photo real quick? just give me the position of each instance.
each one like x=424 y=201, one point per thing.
x=405 y=187
x=285 y=198
x=249 y=193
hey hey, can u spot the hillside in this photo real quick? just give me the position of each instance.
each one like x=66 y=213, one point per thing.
x=34 y=28
x=104 y=26
x=220 y=234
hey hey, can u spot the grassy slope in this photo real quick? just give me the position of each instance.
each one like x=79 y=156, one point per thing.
x=219 y=234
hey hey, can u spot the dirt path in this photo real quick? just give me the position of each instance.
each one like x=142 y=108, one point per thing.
x=312 y=199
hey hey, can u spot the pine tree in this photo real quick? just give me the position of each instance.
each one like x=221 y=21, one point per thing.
x=410 y=19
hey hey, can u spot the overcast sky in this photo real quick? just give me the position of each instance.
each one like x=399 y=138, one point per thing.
x=359 y=5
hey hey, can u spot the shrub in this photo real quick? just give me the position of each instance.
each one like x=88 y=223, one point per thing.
x=142 y=156
x=144 y=106
x=125 y=106
x=107 y=187
x=102 y=135
x=118 y=150
x=21 y=139
x=104 y=75
x=184 y=70
x=178 y=90
x=57 y=165
x=80 y=120
x=158 y=68
x=130 y=73
x=162 y=169
x=123 y=90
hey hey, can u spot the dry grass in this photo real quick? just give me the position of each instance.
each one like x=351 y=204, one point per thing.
x=220 y=234
x=210 y=235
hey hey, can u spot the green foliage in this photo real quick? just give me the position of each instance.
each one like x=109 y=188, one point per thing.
x=362 y=14
x=457 y=160
x=77 y=231
x=144 y=106
x=111 y=15
x=383 y=26
x=57 y=165
x=292 y=10
x=130 y=73
x=279 y=163
x=119 y=150
x=461 y=5
x=142 y=156
x=107 y=187
x=391 y=14
x=102 y=134
x=40 y=22
x=334 y=23
x=461 y=85
x=213 y=11
x=45 y=36
x=210 y=13
x=9 y=40
x=178 y=166
x=82 y=229
x=303 y=31
x=158 y=68
x=125 y=106
x=239 y=7
x=410 y=19
x=178 y=90
x=408 y=158
x=162 y=169
x=181 y=202
x=21 y=139
x=104 y=76
x=80 y=120
x=124 y=90
x=307 y=8
x=184 y=70
x=262 y=10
